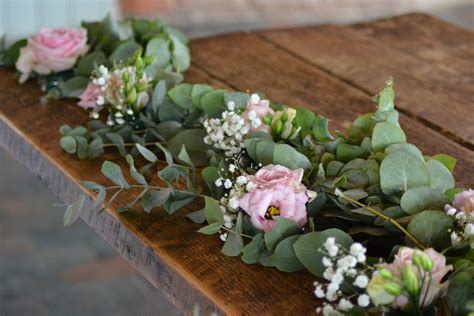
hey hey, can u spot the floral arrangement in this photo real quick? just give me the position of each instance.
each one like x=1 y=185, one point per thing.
x=382 y=226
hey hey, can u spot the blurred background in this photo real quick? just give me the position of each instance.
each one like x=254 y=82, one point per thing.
x=46 y=269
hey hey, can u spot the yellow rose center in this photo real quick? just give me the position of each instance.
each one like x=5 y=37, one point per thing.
x=271 y=212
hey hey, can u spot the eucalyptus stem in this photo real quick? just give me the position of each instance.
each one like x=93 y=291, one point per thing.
x=231 y=231
x=385 y=217
x=130 y=144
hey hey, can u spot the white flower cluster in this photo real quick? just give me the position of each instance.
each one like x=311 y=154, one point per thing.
x=342 y=266
x=227 y=133
x=236 y=183
x=465 y=223
x=114 y=93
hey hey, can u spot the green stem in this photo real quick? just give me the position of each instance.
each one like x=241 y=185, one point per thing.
x=131 y=144
x=233 y=232
x=385 y=217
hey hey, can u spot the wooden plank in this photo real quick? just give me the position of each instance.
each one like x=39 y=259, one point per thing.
x=284 y=78
x=425 y=92
x=431 y=39
x=188 y=267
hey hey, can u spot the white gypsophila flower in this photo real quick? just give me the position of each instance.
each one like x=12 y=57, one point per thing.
x=95 y=115
x=223 y=236
x=231 y=105
x=455 y=239
x=361 y=258
x=226 y=133
x=345 y=304
x=234 y=203
x=451 y=211
x=337 y=278
x=330 y=245
x=227 y=184
x=328 y=273
x=218 y=182
x=361 y=281
x=327 y=262
x=357 y=248
x=363 y=300
x=469 y=230
x=347 y=262
x=232 y=168
x=254 y=98
x=319 y=292
x=250 y=186
x=241 y=180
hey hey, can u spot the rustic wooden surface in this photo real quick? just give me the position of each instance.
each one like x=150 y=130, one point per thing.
x=332 y=70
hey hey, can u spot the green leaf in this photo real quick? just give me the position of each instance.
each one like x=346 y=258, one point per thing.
x=169 y=111
x=158 y=48
x=155 y=198
x=447 y=160
x=321 y=128
x=124 y=52
x=10 y=55
x=193 y=139
x=264 y=150
x=197 y=92
x=386 y=134
x=95 y=148
x=168 y=155
x=254 y=249
x=118 y=141
x=409 y=148
x=386 y=97
x=113 y=172
x=73 y=87
x=134 y=173
x=401 y=171
x=73 y=210
x=147 y=154
x=87 y=64
x=432 y=228
x=99 y=199
x=234 y=243
x=181 y=56
x=212 y=103
x=362 y=127
x=284 y=228
x=346 y=152
x=210 y=229
x=240 y=99
x=308 y=248
x=440 y=176
x=159 y=94
x=198 y=217
x=460 y=293
x=304 y=118
x=450 y=193
x=210 y=175
x=178 y=200
x=184 y=156
x=171 y=173
x=213 y=211
x=289 y=157
x=333 y=168
x=181 y=95
x=68 y=144
x=284 y=258
x=421 y=199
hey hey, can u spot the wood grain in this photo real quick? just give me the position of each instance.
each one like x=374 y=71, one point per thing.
x=188 y=267
x=432 y=94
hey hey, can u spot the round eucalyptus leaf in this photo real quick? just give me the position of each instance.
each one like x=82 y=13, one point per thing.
x=409 y=148
x=401 y=171
x=441 y=177
x=386 y=134
x=421 y=199
x=431 y=228
x=68 y=144
x=309 y=248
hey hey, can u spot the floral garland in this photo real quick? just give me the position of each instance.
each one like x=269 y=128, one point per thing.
x=279 y=189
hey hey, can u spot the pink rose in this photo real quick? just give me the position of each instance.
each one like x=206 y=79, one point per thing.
x=272 y=175
x=52 y=50
x=278 y=192
x=440 y=269
x=88 y=98
x=256 y=109
x=465 y=201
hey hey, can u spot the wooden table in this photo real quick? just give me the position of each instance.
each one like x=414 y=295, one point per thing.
x=330 y=69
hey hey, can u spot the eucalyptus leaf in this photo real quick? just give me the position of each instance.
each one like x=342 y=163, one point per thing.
x=240 y=99
x=421 y=199
x=210 y=229
x=178 y=200
x=68 y=144
x=212 y=103
x=386 y=134
x=409 y=148
x=73 y=210
x=124 y=51
x=118 y=141
x=401 y=171
x=198 y=217
x=346 y=152
x=432 y=228
x=213 y=211
x=113 y=172
x=181 y=95
x=289 y=157
x=440 y=176
x=73 y=87
x=134 y=173
x=254 y=249
x=193 y=139
x=180 y=56
x=159 y=94
x=155 y=198
x=234 y=244
x=197 y=92
x=284 y=257
x=447 y=160
x=309 y=247
x=321 y=129
x=87 y=64
x=146 y=153
x=284 y=228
